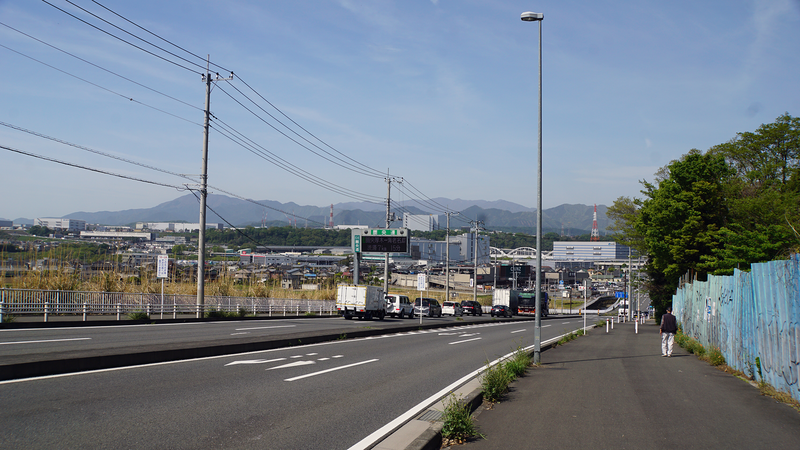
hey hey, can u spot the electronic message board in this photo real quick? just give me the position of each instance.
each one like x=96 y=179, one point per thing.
x=380 y=240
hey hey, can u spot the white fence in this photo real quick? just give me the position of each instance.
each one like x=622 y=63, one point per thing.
x=22 y=302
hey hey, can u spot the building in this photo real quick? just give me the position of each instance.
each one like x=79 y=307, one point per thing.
x=116 y=235
x=426 y=222
x=176 y=227
x=589 y=250
x=462 y=250
x=68 y=225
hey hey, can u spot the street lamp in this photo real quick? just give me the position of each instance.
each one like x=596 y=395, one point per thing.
x=537 y=333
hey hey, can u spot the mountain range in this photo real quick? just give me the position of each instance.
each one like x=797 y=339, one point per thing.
x=501 y=215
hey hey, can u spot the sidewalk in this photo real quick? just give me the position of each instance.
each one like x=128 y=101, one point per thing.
x=616 y=391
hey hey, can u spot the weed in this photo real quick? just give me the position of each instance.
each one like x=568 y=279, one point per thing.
x=715 y=357
x=458 y=423
x=494 y=382
x=518 y=363
x=342 y=337
x=138 y=315
x=460 y=318
x=758 y=367
x=8 y=318
x=310 y=314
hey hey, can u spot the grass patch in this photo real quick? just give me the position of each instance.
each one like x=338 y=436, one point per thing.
x=138 y=315
x=715 y=357
x=214 y=313
x=310 y=314
x=8 y=318
x=495 y=379
x=458 y=423
x=566 y=338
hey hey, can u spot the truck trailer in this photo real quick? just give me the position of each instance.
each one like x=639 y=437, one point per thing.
x=508 y=297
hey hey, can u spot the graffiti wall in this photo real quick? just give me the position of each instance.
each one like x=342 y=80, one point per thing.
x=749 y=315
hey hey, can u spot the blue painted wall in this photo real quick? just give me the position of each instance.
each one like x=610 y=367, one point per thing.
x=748 y=315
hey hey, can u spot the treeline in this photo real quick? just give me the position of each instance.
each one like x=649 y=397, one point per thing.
x=716 y=211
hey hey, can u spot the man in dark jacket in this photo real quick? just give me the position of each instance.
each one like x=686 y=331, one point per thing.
x=669 y=326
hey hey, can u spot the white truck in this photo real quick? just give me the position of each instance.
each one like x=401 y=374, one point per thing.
x=508 y=297
x=364 y=302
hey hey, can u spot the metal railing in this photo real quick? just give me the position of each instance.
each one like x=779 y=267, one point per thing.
x=32 y=302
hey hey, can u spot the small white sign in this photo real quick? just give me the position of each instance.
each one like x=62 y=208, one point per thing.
x=422 y=281
x=162 y=269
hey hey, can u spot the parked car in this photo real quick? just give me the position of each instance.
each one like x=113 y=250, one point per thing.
x=472 y=307
x=452 y=308
x=430 y=307
x=399 y=306
x=501 y=310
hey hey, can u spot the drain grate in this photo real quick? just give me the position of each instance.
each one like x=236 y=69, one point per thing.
x=430 y=415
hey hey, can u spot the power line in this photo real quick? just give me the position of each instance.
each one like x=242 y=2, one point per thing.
x=91 y=169
x=98 y=86
x=123 y=40
x=153 y=34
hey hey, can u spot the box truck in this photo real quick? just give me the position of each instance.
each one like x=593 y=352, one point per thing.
x=364 y=302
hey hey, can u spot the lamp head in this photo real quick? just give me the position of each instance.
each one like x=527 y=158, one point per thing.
x=531 y=16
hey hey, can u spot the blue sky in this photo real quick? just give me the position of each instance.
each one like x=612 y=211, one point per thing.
x=442 y=93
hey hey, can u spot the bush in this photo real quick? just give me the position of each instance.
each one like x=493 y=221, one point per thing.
x=8 y=318
x=458 y=424
x=214 y=313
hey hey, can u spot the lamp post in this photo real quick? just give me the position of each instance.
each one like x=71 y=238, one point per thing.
x=537 y=333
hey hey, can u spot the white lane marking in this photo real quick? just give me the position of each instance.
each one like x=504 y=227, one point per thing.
x=337 y=356
x=545 y=326
x=313 y=374
x=296 y=356
x=447 y=334
x=519 y=331
x=44 y=340
x=564 y=323
x=312 y=354
x=266 y=328
x=236 y=334
x=294 y=364
x=254 y=361
x=469 y=334
x=322 y=359
x=465 y=340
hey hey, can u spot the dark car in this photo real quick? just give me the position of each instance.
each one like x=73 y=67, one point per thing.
x=430 y=307
x=472 y=307
x=501 y=310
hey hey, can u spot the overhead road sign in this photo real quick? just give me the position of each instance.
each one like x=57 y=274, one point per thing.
x=380 y=240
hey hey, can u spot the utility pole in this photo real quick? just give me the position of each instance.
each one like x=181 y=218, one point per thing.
x=477 y=224
x=389 y=218
x=447 y=263
x=201 y=240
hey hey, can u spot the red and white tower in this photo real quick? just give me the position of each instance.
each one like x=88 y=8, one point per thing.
x=595 y=232
x=331 y=222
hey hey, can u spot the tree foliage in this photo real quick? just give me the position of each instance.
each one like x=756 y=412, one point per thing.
x=714 y=212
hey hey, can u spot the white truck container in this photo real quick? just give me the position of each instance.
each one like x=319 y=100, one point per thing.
x=364 y=302
x=508 y=297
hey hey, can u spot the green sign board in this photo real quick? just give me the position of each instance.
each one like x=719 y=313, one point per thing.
x=380 y=240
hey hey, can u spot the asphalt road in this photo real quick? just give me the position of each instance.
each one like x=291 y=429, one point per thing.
x=327 y=395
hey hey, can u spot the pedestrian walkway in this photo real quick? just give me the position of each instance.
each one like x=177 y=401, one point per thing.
x=615 y=390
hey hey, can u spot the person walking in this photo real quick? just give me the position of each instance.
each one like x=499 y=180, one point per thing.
x=669 y=326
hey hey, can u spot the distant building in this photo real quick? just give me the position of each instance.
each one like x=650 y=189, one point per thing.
x=6 y=224
x=116 y=235
x=589 y=250
x=420 y=222
x=61 y=224
x=176 y=227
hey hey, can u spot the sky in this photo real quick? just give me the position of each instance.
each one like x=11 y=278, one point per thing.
x=329 y=98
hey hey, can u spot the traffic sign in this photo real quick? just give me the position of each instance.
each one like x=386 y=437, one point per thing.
x=380 y=240
x=162 y=266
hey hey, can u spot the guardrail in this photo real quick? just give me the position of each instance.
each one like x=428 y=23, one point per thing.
x=22 y=302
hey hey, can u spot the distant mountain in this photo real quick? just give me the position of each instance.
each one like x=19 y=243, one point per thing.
x=571 y=219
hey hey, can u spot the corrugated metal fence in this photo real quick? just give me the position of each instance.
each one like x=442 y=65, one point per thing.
x=21 y=302
x=749 y=315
